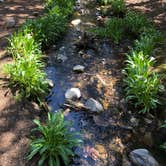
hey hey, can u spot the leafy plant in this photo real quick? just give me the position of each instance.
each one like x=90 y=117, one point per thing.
x=148 y=41
x=136 y=22
x=105 y=2
x=142 y=85
x=22 y=44
x=27 y=76
x=48 y=29
x=55 y=143
x=118 y=6
x=114 y=28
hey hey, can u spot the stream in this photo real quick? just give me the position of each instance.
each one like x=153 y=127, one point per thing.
x=107 y=137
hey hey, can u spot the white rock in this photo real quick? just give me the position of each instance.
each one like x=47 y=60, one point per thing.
x=10 y=22
x=76 y=22
x=142 y=157
x=50 y=83
x=73 y=93
x=93 y=105
x=78 y=68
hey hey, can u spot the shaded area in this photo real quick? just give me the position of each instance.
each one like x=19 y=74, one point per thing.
x=155 y=10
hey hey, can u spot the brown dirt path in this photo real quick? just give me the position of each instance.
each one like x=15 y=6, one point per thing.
x=15 y=118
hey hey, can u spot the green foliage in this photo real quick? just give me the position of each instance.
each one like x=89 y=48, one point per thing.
x=142 y=84
x=118 y=6
x=136 y=22
x=22 y=44
x=48 y=29
x=26 y=72
x=65 y=6
x=55 y=143
x=105 y=2
x=113 y=29
x=148 y=41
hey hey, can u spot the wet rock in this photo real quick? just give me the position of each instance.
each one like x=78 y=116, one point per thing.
x=134 y=121
x=142 y=157
x=76 y=22
x=1 y=0
x=61 y=58
x=79 y=68
x=73 y=93
x=50 y=83
x=10 y=22
x=94 y=106
x=148 y=139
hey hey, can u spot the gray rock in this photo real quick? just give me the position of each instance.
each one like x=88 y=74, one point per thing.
x=94 y=106
x=61 y=58
x=1 y=0
x=142 y=157
x=73 y=93
x=10 y=22
x=79 y=68
x=50 y=83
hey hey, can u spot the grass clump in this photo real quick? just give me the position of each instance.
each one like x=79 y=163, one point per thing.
x=55 y=145
x=118 y=6
x=113 y=29
x=142 y=84
x=136 y=22
x=26 y=72
x=148 y=41
x=48 y=29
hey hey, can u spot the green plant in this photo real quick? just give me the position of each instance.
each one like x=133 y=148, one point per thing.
x=48 y=29
x=105 y=2
x=27 y=76
x=55 y=143
x=114 y=28
x=118 y=6
x=148 y=40
x=142 y=84
x=136 y=22
x=22 y=44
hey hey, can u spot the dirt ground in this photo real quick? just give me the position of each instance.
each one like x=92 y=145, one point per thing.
x=16 y=117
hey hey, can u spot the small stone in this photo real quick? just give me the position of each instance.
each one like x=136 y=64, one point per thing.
x=79 y=68
x=73 y=93
x=134 y=121
x=50 y=83
x=1 y=0
x=61 y=58
x=76 y=22
x=10 y=23
x=142 y=157
x=94 y=106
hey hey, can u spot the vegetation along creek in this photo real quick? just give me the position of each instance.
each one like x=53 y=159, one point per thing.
x=93 y=72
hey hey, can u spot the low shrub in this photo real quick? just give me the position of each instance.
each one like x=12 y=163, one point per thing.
x=55 y=143
x=65 y=6
x=142 y=85
x=27 y=75
x=22 y=44
x=136 y=22
x=148 y=41
x=118 y=6
x=105 y=2
x=48 y=29
x=114 y=29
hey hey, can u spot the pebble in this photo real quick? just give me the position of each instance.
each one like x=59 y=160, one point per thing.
x=142 y=157
x=94 y=106
x=79 y=68
x=10 y=22
x=75 y=22
x=73 y=93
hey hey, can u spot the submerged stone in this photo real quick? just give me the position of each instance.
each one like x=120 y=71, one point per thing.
x=94 y=106
x=142 y=157
x=79 y=68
